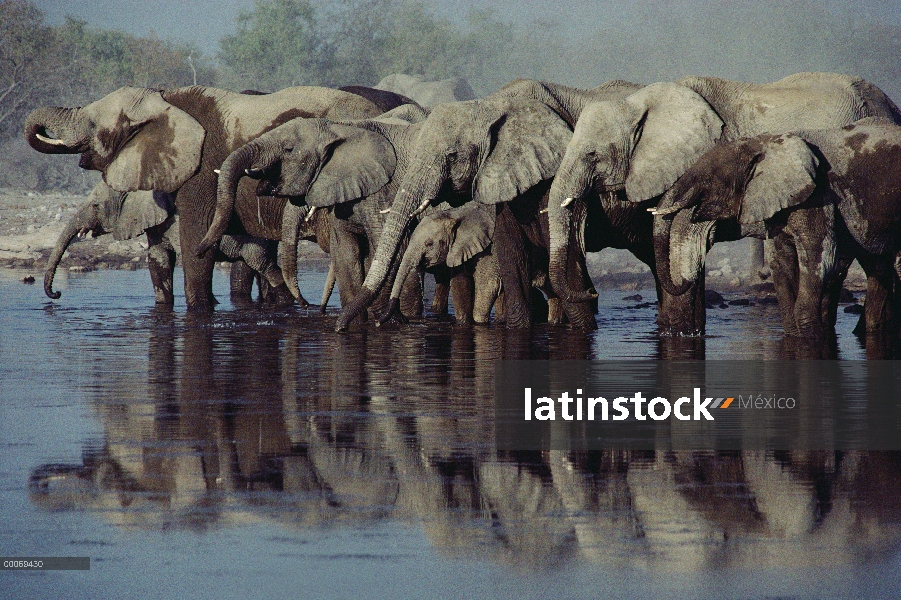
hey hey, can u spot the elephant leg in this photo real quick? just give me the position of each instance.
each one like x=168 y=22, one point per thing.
x=882 y=282
x=513 y=262
x=241 y=280
x=161 y=263
x=685 y=314
x=463 y=291
x=832 y=289
x=784 y=267
x=195 y=201
x=411 y=297
x=811 y=283
x=346 y=254
x=487 y=290
x=439 y=301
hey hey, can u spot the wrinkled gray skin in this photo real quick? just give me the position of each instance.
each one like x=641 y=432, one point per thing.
x=827 y=197
x=172 y=140
x=637 y=148
x=348 y=171
x=427 y=93
x=460 y=239
x=128 y=215
x=495 y=151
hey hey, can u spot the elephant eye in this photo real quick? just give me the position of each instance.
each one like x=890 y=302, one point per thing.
x=429 y=244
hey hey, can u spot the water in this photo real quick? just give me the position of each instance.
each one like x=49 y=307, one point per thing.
x=257 y=452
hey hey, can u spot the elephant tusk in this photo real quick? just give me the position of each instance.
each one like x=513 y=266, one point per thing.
x=542 y=211
x=385 y=212
x=566 y=202
x=310 y=215
x=253 y=172
x=51 y=141
x=217 y=171
x=662 y=211
x=422 y=207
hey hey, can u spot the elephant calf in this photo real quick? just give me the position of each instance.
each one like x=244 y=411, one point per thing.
x=128 y=215
x=827 y=197
x=456 y=245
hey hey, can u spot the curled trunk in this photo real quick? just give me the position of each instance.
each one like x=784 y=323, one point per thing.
x=681 y=245
x=406 y=201
x=569 y=187
x=78 y=223
x=230 y=174
x=60 y=123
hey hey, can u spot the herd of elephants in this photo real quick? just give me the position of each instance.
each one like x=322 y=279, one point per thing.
x=499 y=197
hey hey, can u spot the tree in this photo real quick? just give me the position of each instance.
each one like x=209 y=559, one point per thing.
x=28 y=62
x=277 y=45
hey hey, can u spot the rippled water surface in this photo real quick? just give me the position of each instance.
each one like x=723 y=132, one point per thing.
x=257 y=453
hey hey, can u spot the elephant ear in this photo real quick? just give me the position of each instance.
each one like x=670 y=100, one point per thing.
x=783 y=177
x=358 y=163
x=139 y=211
x=672 y=127
x=162 y=154
x=474 y=231
x=528 y=143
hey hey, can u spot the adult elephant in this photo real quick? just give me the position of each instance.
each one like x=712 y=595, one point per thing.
x=349 y=171
x=171 y=141
x=638 y=146
x=496 y=150
x=827 y=197
x=127 y=215
x=427 y=93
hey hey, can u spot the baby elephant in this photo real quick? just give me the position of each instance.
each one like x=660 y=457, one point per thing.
x=129 y=214
x=826 y=197
x=455 y=245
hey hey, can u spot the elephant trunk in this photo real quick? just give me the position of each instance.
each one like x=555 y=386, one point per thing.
x=81 y=221
x=566 y=208
x=230 y=174
x=683 y=245
x=292 y=218
x=329 y=286
x=408 y=199
x=69 y=136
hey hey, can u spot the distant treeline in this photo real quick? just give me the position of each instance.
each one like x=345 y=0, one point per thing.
x=279 y=43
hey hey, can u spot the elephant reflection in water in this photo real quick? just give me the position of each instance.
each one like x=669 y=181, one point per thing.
x=225 y=429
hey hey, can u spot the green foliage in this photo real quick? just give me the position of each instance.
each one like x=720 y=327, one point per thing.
x=277 y=44
x=358 y=42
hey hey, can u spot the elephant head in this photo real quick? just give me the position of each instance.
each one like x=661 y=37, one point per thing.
x=133 y=136
x=450 y=238
x=314 y=162
x=640 y=144
x=492 y=149
x=748 y=182
x=125 y=215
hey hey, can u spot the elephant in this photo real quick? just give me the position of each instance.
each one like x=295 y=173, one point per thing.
x=626 y=153
x=494 y=150
x=427 y=93
x=348 y=170
x=129 y=214
x=171 y=141
x=827 y=197
x=458 y=241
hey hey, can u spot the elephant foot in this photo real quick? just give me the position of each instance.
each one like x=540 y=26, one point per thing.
x=392 y=314
x=278 y=297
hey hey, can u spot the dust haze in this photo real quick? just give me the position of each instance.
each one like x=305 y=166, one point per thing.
x=585 y=42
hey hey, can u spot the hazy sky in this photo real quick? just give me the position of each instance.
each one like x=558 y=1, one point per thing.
x=205 y=21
